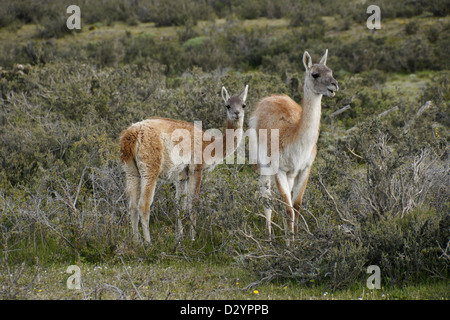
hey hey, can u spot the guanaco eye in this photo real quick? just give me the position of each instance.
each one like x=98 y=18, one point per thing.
x=243 y=106
x=315 y=75
x=228 y=106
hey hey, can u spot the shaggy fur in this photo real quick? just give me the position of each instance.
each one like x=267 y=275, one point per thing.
x=146 y=151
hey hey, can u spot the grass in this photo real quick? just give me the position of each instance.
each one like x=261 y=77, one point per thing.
x=408 y=85
x=178 y=279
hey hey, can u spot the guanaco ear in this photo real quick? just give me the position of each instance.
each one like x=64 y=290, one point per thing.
x=243 y=95
x=307 y=62
x=324 y=58
x=225 y=95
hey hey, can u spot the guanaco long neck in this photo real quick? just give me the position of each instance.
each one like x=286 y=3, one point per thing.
x=310 y=120
x=232 y=136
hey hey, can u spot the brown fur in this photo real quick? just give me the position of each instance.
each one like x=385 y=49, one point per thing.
x=127 y=143
x=286 y=115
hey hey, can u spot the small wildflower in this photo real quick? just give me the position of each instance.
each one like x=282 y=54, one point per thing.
x=256 y=292
x=237 y=283
x=285 y=287
x=437 y=133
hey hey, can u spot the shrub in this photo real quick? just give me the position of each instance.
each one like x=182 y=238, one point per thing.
x=392 y=211
x=411 y=27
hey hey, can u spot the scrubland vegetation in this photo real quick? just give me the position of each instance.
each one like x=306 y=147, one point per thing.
x=378 y=193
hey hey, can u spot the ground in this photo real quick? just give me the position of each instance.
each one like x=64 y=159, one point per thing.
x=172 y=278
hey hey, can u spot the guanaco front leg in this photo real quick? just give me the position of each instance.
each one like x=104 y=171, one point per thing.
x=195 y=179
x=283 y=183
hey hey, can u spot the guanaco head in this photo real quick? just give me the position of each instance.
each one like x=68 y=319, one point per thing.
x=319 y=78
x=235 y=105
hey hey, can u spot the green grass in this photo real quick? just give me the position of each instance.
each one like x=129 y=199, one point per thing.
x=177 y=279
x=194 y=42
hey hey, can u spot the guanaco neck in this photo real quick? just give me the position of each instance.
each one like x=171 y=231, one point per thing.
x=232 y=136
x=311 y=113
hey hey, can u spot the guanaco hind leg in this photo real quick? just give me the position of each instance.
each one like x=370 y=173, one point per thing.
x=133 y=190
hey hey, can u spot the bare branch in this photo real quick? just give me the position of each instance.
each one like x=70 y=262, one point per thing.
x=334 y=202
x=338 y=112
